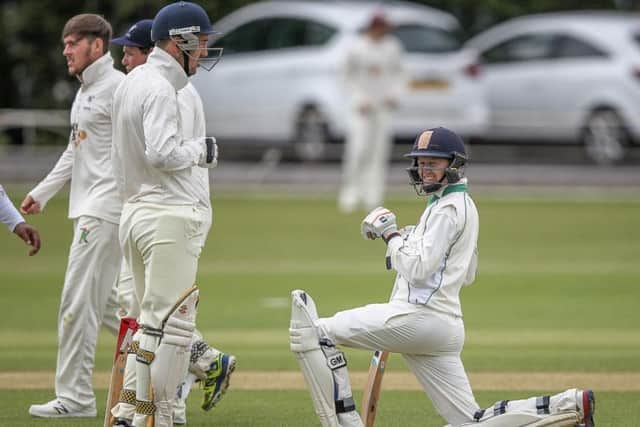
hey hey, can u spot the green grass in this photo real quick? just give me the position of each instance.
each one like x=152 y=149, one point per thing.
x=558 y=289
x=293 y=409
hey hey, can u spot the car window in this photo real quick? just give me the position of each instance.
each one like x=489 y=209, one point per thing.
x=249 y=37
x=566 y=46
x=293 y=32
x=274 y=33
x=424 y=39
x=527 y=47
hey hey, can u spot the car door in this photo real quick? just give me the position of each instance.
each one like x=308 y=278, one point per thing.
x=227 y=90
x=518 y=85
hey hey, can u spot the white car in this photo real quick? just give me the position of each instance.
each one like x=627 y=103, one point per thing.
x=571 y=77
x=278 y=81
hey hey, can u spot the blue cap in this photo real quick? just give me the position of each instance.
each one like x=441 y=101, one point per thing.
x=437 y=142
x=139 y=35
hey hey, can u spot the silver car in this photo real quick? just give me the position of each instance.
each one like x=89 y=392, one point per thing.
x=278 y=81
x=571 y=77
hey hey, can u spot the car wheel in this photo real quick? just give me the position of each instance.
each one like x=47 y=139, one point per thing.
x=605 y=137
x=311 y=135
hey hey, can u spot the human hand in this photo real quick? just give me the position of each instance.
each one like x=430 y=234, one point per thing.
x=30 y=236
x=380 y=222
x=30 y=206
x=209 y=157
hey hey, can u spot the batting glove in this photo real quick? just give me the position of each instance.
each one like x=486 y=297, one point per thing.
x=209 y=156
x=380 y=222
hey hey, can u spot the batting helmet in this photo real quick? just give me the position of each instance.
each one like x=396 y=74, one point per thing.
x=440 y=143
x=180 y=18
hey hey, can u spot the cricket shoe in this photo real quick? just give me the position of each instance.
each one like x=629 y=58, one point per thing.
x=217 y=381
x=588 y=408
x=57 y=409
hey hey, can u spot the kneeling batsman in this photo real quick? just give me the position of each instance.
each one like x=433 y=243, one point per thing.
x=423 y=319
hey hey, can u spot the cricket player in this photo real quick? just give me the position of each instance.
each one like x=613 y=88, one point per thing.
x=94 y=207
x=10 y=217
x=205 y=361
x=160 y=178
x=423 y=320
x=374 y=80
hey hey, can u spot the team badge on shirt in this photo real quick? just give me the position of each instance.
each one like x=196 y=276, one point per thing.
x=84 y=234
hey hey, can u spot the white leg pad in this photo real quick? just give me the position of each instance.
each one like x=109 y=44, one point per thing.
x=517 y=419
x=324 y=367
x=126 y=406
x=163 y=361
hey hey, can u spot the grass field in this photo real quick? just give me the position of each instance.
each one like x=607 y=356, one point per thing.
x=555 y=304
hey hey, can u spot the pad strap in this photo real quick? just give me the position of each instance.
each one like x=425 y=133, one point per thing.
x=542 y=404
x=346 y=405
x=127 y=396
x=500 y=407
x=145 y=407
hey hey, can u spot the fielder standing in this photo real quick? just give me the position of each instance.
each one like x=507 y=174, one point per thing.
x=162 y=231
x=206 y=361
x=374 y=80
x=10 y=217
x=423 y=319
x=94 y=207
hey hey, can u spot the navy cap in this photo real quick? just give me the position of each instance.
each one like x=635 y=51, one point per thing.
x=437 y=142
x=139 y=35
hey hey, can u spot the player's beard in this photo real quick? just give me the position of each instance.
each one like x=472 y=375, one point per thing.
x=80 y=61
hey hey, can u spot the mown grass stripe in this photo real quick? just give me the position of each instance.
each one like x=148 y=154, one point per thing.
x=293 y=380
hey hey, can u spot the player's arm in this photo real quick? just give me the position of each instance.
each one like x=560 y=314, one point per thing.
x=10 y=216
x=37 y=198
x=419 y=257
x=165 y=148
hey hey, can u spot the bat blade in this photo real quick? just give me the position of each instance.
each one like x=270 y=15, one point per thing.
x=128 y=327
x=371 y=394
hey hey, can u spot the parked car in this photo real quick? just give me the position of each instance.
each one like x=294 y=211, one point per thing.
x=278 y=81
x=571 y=77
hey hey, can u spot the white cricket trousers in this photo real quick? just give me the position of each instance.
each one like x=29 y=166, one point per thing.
x=429 y=341
x=92 y=273
x=366 y=160
x=162 y=244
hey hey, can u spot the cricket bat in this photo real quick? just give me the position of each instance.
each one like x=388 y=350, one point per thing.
x=128 y=327
x=371 y=393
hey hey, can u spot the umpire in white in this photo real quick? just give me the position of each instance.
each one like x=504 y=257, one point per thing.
x=423 y=319
x=162 y=216
x=94 y=207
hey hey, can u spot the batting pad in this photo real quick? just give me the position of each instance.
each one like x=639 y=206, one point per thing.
x=324 y=367
x=515 y=419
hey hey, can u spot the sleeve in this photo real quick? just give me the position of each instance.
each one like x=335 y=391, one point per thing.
x=418 y=257
x=56 y=179
x=9 y=215
x=470 y=275
x=165 y=149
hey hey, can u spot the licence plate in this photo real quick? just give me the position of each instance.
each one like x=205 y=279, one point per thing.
x=425 y=84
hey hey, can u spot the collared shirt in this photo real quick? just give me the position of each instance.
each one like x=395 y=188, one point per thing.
x=439 y=256
x=9 y=215
x=153 y=161
x=87 y=159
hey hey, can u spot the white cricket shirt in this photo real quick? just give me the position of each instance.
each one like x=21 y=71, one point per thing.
x=373 y=71
x=152 y=160
x=439 y=255
x=87 y=159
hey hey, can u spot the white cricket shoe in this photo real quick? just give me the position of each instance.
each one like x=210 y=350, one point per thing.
x=57 y=409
